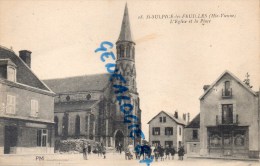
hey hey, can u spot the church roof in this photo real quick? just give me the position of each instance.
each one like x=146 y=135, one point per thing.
x=195 y=123
x=177 y=120
x=24 y=74
x=96 y=82
x=125 y=34
x=234 y=77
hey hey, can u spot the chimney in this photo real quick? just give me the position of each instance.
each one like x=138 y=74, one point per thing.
x=184 y=117
x=205 y=87
x=25 y=55
x=176 y=114
x=188 y=117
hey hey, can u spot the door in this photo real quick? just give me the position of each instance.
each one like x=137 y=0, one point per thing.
x=227 y=143
x=11 y=135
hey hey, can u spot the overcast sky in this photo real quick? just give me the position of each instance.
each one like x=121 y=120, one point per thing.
x=173 y=61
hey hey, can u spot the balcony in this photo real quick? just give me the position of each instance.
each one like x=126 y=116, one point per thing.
x=227 y=93
x=221 y=122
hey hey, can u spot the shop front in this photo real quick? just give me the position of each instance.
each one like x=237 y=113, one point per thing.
x=228 y=141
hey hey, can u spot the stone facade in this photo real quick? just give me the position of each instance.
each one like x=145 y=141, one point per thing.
x=87 y=107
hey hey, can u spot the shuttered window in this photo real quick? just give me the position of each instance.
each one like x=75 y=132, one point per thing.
x=34 y=108
x=10 y=109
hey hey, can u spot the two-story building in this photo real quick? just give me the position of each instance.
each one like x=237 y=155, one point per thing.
x=26 y=107
x=229 y=119
x=166 y=129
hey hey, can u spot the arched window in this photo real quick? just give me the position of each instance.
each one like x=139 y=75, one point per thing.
x=91 y=126
x=56 y=120
x=65 y=125
x=77 y=126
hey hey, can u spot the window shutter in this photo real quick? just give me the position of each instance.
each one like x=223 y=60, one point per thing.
x=9 y=102
x=13 y=104
x=36 y=107
x=234 y=113
x=219 y=113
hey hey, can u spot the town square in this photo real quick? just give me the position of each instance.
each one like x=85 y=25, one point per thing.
x=100 y=83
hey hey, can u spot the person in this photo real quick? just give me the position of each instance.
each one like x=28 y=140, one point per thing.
x=181 y=152
x=167 y=152
x=137 y=151
x=103 y=149
x=161 y=152
x=120 y=148
x=172 y=151
x=152 y=151
x=89 y=148
x=156 y=153
x=84 y=152
x=99 y=150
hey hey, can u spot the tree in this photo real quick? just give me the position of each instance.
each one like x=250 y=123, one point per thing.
x=247 y=80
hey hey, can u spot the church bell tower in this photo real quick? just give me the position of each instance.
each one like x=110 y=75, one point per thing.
x=125 y=63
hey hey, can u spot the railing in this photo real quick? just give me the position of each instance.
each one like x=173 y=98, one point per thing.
x=233 y=121
x=227 y=93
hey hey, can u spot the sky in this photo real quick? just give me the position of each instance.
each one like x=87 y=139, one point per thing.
x=173 y=61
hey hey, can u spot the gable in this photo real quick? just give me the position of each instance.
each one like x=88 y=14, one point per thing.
x=219 y=84
x=168 y=115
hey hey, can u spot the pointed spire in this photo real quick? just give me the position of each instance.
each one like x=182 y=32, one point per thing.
x=125 y=34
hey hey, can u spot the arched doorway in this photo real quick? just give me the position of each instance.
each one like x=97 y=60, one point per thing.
x=119 y=138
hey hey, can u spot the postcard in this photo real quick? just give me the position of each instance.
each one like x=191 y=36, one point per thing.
x=137 y=82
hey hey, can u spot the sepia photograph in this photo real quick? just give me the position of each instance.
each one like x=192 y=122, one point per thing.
x=136 y=82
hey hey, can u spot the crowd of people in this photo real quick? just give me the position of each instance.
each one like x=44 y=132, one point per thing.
x=99 y=149
x=157 y=152
x=141 y=152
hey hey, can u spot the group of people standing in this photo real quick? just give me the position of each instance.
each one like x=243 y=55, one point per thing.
x=155 y=151
x=100 y=149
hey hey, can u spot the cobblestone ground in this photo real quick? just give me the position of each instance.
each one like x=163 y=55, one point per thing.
x=114 y=159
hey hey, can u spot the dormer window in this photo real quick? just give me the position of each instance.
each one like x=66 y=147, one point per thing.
x=7 y=70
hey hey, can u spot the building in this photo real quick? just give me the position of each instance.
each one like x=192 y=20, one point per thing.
x=167 y=129
x=192 y=137
x=86 y=106
x=26 y=107
x=229 y=119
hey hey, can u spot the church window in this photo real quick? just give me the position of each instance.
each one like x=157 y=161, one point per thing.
x=77 y=126
x=65 y=125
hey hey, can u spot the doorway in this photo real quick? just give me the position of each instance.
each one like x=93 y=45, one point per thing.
x=119 y=138
x=11 y=135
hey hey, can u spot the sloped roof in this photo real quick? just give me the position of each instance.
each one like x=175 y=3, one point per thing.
x=179 y=121
x=234 y=77
x=71 y=107
x=96 y=82
x=195 y=123
x=24 y=75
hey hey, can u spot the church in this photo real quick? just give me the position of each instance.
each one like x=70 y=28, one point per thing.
x=86 y=106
